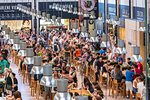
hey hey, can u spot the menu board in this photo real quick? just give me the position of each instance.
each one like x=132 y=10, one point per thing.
x=9 y=11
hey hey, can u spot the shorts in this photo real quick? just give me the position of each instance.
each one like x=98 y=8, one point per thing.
x=129 y=86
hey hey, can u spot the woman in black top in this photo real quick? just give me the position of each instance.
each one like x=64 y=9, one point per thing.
x=72 y=75
x=15 y=83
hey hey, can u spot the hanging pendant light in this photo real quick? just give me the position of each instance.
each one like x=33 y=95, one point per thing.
x=11 y=40
x=75 y=28
x=108 y=20
x=86 y=15
x=136 y=57
x=93 y=36
x=28 y=10
x=53 y=7
x=142 y=27
x=6 y=31
x=75 y=11
x=54 y=20
x=35 y=12
x=105 y=43
x=29 y=56
x=70 y=9
x=81 y=98
x=48 y=18
x=80 y=12
x=83 y=30
x=22 y=51
x=43 y=16
x=92 y=15
x=62 y=88
x=100 y=17
x=16 y=45
x=48 y=79
x=57 y=7
x=121 y=47
x=65 y=8
x=39 y=14
x=59 y=21
x=60 y=8
x=37 y=67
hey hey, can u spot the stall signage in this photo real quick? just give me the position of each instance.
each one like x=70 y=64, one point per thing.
x=138 y=13
x=112 y=10
x=124 y=11
x=9 y=11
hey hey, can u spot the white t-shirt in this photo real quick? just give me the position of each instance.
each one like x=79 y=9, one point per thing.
x=140 y=87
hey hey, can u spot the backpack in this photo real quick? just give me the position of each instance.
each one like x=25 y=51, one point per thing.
x=55 y=48
x=8 y=83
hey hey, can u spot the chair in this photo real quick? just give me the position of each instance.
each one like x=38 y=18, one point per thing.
x=116 y=87
x=92 y=74
x=33 y=87
x=102 y=79
x=138 y=96
x=37 y=90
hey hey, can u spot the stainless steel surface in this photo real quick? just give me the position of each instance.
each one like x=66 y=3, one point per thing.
x=48 y=81
x=16 y=47
x=29 y=52
x=136 y=50
x=11 y=41
x=62 y=96
x=120 y=50
x=81 y=98
x=62 y=85
x=121 y=43
x=22 y=45
x=17 y=40
x=37 y=60
x=21 y=53
x=104 y=44
x=29 y=60
x=136 y=58
x=36 y=70
x=47 y=70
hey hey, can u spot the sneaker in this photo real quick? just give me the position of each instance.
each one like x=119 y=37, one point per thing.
x=133 y=97
x=128 y=97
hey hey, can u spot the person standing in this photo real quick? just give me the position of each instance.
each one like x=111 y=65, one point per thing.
x=129 y=86
x=3 y=63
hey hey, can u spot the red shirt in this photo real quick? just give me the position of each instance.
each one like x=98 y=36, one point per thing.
x=140 y=66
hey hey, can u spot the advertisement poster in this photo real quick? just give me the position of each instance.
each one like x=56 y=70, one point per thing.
x=9 y=11
x=18 y=24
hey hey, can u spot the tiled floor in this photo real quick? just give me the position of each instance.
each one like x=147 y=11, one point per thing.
x=26 y=93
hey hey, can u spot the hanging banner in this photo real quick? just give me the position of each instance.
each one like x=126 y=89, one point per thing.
x=101 y=7
x=9 y=11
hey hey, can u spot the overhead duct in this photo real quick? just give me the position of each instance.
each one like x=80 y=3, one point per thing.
x=62 y=90
x=93 y=37
x=48 y=79
x=136 y=57
x=29 y=56
x=121 y=47
x=105 y=43
x=37 y=67
x=16 y=45
x=22 y=51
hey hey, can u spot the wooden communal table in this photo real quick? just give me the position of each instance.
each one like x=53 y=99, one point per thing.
x=84 y=92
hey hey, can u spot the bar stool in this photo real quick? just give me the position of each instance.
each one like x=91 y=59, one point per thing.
x=102 y=80
x=33 y=87
x=115 y=87
x=138 y=96
x=37 y=90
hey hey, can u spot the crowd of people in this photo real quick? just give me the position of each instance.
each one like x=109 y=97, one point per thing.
x=59 y=47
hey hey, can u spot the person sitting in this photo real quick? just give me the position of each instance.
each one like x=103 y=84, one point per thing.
x=140 y=66
x=87 y=85
x=56 y=75
x=140 y=87
x=3 y=63
x=129 y=62
x=15 y=83
x=117 y=73
x=77 y=53
x=72 y=75
x=17 y=95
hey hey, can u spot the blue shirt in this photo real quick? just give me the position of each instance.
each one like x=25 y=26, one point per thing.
x=119 y=59
x=129 y=75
